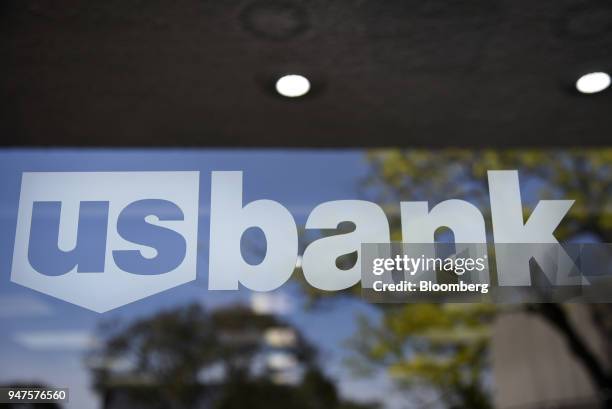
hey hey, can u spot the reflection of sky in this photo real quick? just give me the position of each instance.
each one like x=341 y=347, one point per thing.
x=44 y=339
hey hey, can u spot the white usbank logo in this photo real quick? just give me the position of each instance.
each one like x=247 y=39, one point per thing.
x=101 y=240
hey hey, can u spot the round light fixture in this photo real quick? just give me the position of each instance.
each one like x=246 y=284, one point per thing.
x=292 y=86
x=593 y=82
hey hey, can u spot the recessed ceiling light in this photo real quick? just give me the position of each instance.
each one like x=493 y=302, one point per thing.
x=593 y=82
x=292 y=86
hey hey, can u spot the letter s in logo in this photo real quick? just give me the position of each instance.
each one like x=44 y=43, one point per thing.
x=132 y=226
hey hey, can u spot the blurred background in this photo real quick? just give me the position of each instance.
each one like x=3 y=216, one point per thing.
x=385 y=101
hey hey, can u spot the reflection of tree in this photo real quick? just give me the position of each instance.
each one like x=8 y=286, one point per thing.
x=444 y=346
x=192 y=358
x=582 y=175
x=315 y=391
x=441 y=346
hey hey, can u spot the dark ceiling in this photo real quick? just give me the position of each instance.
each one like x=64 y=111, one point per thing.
x=433 y=73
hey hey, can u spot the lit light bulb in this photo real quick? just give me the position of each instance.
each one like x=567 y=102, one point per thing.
x=292 y=86
x=593 y=82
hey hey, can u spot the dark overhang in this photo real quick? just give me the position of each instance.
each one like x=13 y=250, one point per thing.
x=434 y=73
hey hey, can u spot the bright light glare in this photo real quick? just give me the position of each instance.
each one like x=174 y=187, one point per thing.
x=593 y=82
x=292 y=86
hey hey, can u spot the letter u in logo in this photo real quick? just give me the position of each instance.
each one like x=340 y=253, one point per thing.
x=88 y=254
